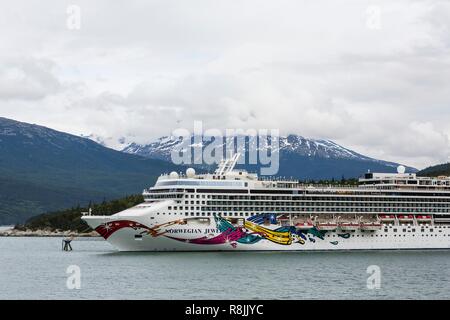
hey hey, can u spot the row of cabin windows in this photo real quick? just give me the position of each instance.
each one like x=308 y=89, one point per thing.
x=385 y=235
x=300 y=198
x=317 y=205
x=317 y=208
x=185 y=208
x=209 y=214
x=329 y=203
x=321 y=198
x=330 y=209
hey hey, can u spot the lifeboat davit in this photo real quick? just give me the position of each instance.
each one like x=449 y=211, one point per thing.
x=371 y=226
x=327 y=226
x=405 y=217
x=386 y=217
x=423 y=218
x=304 y=225
x=349 y=226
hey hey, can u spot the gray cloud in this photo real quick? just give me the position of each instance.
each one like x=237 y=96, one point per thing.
x=27 y=79
x=141 y=70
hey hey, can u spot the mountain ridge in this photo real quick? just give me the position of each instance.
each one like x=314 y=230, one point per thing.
x=317 y=158
x=42 y=170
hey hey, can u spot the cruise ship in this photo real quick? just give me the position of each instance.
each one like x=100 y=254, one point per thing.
x=233 y=210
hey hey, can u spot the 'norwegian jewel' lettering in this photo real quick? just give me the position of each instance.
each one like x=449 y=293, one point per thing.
x=205 y=231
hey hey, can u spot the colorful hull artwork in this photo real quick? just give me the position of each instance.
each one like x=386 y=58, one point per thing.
x=251 y=232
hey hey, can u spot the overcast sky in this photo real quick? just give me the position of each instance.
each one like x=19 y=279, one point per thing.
x=373 y=76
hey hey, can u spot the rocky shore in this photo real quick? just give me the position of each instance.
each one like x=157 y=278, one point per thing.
x=45 y=233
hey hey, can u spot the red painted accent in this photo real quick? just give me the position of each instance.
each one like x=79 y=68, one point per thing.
x=108 y=228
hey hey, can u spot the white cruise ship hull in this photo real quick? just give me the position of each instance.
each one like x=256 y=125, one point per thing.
x=233 y=210
x=131 y=234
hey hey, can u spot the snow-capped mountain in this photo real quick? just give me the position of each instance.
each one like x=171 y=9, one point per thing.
x=299 y=157
x=109 y=142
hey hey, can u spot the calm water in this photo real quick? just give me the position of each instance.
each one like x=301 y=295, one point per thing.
x=35 y=268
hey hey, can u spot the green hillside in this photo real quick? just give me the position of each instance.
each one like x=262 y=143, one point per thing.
x=69 y=219
x=437 y=170
x=44 y=170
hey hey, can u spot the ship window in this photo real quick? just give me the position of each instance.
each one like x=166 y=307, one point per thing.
x=431 y=230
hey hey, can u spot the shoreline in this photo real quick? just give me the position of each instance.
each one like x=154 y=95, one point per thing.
x=45 y=233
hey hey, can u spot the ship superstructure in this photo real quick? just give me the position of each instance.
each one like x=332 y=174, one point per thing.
x=236 y=210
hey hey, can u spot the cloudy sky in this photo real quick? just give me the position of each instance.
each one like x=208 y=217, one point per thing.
x=373 y=76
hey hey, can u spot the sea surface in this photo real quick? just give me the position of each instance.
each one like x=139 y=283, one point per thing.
x=36 y=268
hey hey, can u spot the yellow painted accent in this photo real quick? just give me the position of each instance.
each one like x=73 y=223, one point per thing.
x=274 y=236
